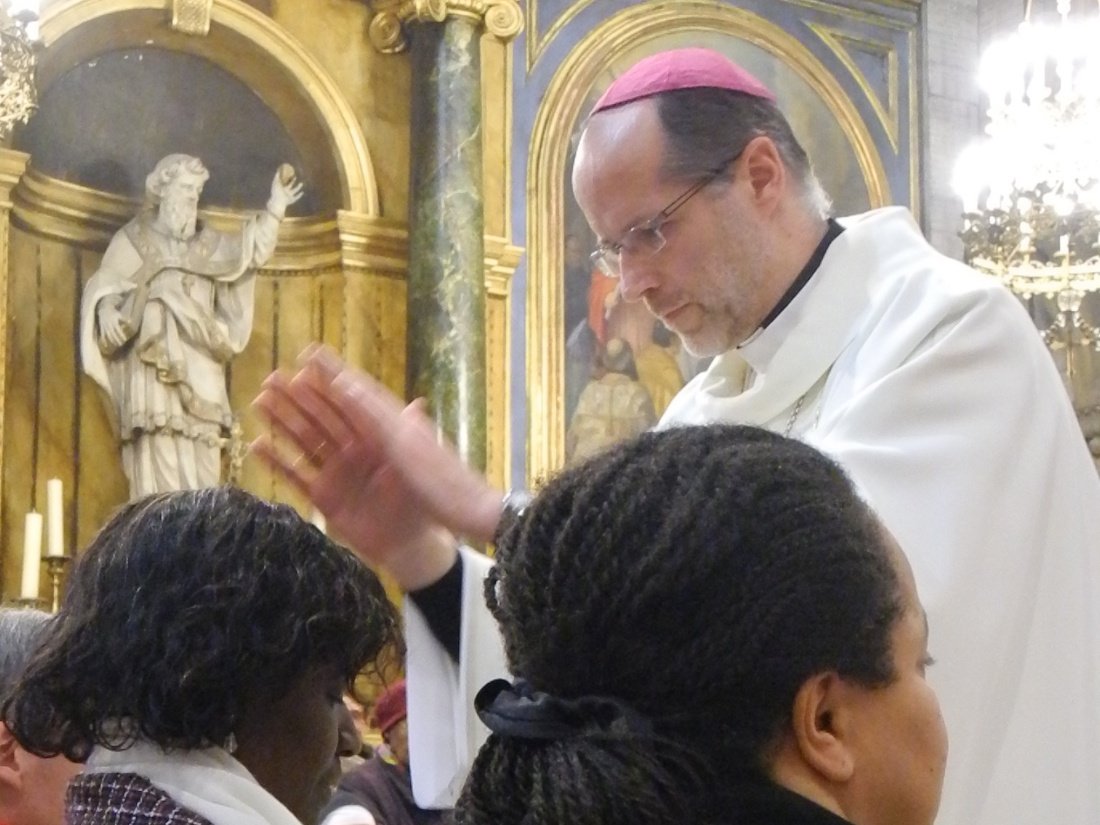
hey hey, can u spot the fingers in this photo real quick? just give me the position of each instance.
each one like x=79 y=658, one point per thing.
x=304 y=417
x=291 y=469
x=116 y=335
x=322 y=362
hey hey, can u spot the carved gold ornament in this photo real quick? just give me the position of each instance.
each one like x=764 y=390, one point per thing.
x=502 y=18
x=192 y=16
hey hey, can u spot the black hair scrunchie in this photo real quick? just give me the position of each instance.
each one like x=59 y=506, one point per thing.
x=518 y=711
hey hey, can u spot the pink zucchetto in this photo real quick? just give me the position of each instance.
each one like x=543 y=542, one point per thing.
x=680 y=69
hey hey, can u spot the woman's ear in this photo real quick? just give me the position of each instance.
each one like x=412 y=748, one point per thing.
x=819 y=724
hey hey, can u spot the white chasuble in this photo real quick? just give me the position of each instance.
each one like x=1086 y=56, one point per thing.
x=930 y=385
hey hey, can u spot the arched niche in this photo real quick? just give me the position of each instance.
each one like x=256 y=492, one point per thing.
x=244 y=44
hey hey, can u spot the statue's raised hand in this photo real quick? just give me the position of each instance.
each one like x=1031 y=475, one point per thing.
x=285 y=190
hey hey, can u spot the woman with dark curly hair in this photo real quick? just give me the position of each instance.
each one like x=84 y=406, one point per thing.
x=198 y=664
x=706 y=625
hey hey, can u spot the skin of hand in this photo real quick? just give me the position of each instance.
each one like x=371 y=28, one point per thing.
x=374 y=467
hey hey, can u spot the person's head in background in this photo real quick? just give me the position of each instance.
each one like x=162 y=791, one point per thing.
x=32 y=789
x=211 y=622
x=706 y=624
x=390 y=712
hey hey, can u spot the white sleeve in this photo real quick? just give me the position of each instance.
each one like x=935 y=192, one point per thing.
x=444 y=731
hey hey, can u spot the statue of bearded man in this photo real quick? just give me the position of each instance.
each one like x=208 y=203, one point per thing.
x=170 y=305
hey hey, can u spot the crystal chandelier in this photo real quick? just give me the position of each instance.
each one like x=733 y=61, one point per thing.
x=18 y=40
x=1031 y=186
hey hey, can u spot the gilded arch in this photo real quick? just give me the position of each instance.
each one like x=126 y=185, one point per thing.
x=245 y=43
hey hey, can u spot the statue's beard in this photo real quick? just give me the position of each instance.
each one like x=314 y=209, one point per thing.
x=179 y=218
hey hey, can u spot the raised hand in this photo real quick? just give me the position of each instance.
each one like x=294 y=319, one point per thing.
x=374 y=467
x=285 y=190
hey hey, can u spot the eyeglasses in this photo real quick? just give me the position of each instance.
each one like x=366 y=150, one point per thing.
x=646 y=238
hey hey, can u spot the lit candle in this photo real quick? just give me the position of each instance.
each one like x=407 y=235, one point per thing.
x=317 y=519
x=32 y=555
x=55 y=511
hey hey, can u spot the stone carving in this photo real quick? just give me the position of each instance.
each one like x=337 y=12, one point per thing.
x=169 y=307
x=502 y=18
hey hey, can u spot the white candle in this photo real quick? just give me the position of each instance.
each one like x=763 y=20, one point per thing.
x=55 y=511
x=32 y=555
x=317 y=519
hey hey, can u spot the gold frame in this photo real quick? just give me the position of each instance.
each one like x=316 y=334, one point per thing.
x=560 y=108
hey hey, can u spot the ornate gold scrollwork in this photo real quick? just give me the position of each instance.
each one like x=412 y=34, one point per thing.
x=192 y=16
x=502 y=18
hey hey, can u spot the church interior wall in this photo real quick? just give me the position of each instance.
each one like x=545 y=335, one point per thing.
x=339 y=272
x=319 y=90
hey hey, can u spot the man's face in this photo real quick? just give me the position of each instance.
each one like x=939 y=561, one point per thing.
x=705 y=283
x=179 y=204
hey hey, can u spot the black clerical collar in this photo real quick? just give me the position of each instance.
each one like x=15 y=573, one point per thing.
x=832 y=232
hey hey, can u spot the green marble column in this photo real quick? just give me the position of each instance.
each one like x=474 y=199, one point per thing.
x=446 y=298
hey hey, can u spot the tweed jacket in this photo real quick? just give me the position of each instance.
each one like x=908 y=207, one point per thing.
x=123 y=799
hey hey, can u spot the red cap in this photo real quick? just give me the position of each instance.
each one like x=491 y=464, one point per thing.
x=680 y=69
x=390 y=707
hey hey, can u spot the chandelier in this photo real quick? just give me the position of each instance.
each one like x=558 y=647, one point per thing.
x=1031 y=186
x=18 y=40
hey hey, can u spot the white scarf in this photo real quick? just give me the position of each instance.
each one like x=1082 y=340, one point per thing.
x=209 y=782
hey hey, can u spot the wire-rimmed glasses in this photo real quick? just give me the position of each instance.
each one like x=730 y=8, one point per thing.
x=646 y=238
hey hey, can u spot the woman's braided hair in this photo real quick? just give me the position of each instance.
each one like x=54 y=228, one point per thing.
x=700 y=575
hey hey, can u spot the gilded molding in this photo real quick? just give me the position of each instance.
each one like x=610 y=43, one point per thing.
x=842 y=44
x=360 y=189
x=549 y=150
x=538 y=41
x=12 y=165
x=373 y=244
x=502 y=18
x=192 y=16
x=67 y=212
x=501 y=260
x=382 y=246
x=73 y=214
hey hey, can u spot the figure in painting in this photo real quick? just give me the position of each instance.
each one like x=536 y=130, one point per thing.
x=600 y=326
x=614 y=405
x=169 y=307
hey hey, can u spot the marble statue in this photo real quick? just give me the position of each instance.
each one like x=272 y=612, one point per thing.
x=170 y=305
